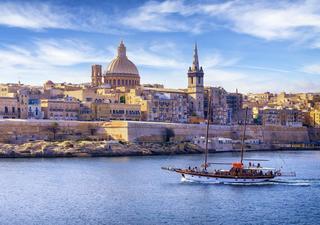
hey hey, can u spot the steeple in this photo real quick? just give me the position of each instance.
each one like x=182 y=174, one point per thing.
x=122 y=50
x=195 y=86
x=195 y=62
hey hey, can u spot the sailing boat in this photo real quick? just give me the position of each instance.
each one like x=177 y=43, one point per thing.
x=238 y=173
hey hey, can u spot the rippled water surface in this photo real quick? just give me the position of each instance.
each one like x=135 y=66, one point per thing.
x=133 y=190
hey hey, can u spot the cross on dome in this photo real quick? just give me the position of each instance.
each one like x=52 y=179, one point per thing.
x=122 y=50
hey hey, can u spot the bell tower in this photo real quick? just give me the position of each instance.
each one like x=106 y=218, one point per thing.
x=96 y=75
x=195 y=86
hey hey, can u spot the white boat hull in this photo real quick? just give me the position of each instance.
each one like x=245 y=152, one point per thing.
x=217 y=180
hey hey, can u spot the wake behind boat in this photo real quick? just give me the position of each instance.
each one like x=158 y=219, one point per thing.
x=238 y=173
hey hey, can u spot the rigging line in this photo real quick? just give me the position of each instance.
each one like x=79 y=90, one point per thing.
x=207 y=131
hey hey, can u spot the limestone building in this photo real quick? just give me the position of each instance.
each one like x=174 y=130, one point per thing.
x=60 y=109
x=9 y=108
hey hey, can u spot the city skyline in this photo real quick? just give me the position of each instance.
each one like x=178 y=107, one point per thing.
x=240 y=46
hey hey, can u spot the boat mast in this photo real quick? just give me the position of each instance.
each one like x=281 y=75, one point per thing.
x=207 y=131
x=243 y=135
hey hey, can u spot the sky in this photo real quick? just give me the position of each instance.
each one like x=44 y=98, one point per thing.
x=253 y=46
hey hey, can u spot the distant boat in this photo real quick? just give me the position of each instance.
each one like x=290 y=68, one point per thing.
x=238 y=173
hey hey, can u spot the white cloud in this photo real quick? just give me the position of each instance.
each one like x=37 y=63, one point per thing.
x=312 y=69
x=67 y=52
x=216 y=60
x=148 y=58
x=33 y=16
x=48 y=59
x=161 y=17
x=43 y=15
x=52 y=52
x=267 y=69
x=273 y=21
x=276 y=20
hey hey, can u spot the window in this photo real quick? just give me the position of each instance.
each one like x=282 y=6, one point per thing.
x=6 y=109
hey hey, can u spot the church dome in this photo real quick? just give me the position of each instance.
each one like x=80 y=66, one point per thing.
x=121 y=64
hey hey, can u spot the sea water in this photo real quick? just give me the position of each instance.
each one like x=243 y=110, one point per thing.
x=134 y=190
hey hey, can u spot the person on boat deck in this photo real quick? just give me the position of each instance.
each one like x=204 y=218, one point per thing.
x=249 y=164
x=189 y=168
x=258 y=165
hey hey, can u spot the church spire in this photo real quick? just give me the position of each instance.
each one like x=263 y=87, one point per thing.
x=195 y=63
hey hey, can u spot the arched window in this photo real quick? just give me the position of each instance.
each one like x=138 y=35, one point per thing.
x=129 y=82
x=122 y=82
x=126 y=82
x=191 y=80
x=114 y=82
x=6 y=109
x=118 y=82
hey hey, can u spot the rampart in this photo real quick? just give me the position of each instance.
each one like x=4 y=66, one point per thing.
x=152 y=131
x=134 y=131
x=15 y=130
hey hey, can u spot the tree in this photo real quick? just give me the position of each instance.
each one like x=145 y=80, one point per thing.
x=93 y=130
x=168 y=134
x=123 y=99
x=194 y=114
x=54 y=128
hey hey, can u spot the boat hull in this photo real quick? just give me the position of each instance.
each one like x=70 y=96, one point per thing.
x=222 y=180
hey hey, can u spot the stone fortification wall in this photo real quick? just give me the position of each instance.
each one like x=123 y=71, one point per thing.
x=150 y=131
x=117 y=130
x=26 y=130
x=133 y=131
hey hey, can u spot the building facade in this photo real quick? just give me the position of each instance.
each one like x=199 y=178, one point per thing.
x=9 y=108
x=61 y=109
x=116 y=111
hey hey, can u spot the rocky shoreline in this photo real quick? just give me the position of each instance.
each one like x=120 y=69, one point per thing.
x=48 y=149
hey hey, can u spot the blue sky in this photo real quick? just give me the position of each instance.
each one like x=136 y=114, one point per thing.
x=254 y=46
